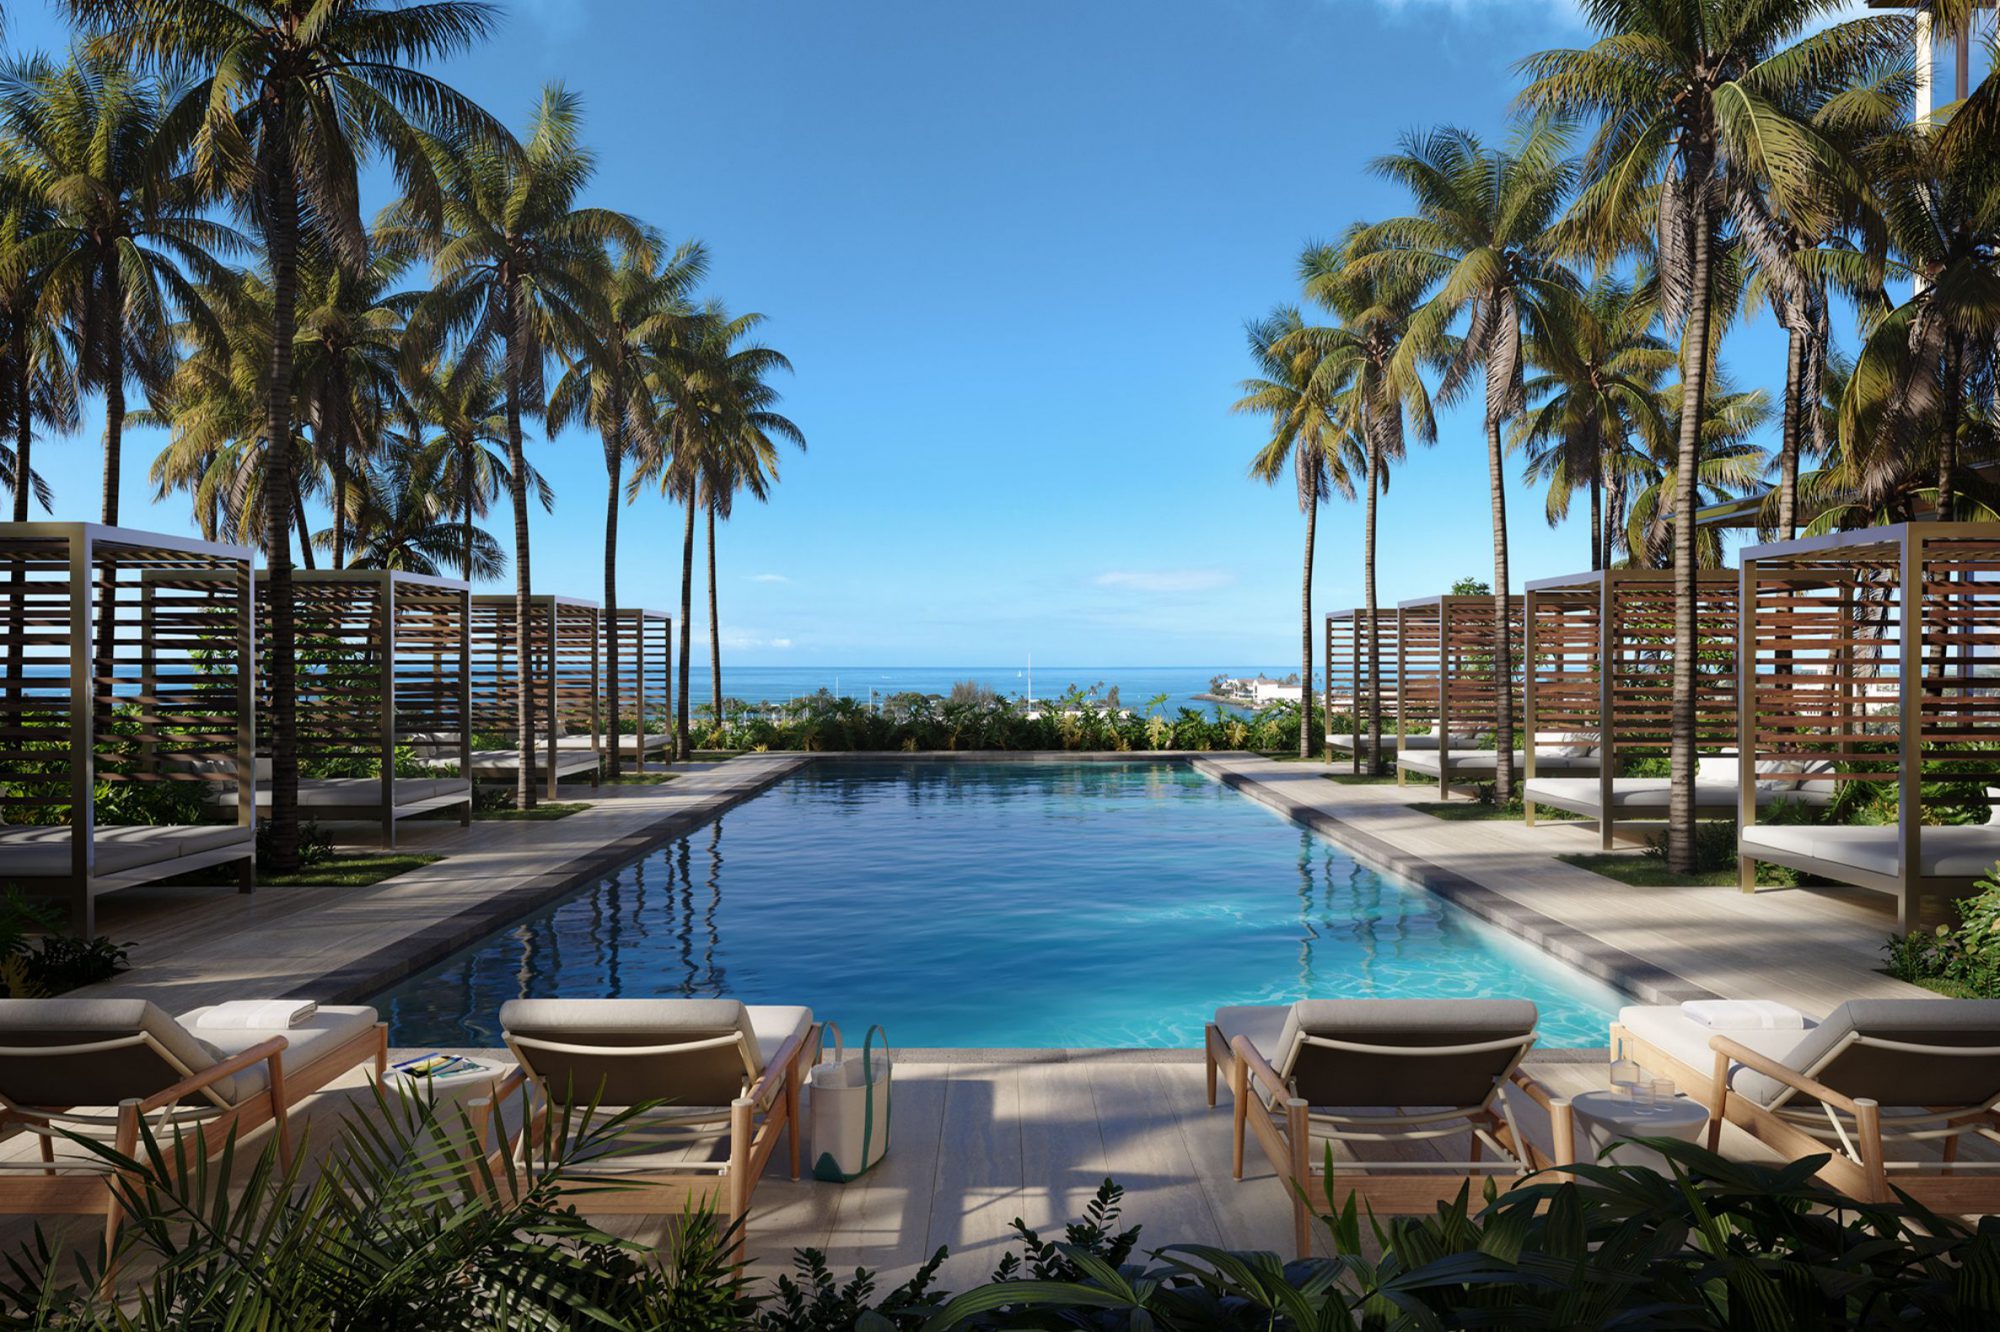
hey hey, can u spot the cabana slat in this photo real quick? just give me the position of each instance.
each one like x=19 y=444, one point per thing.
x=80 y=625
x=645 y=663
x=563 y=650
x=1347 y=678
x=1445 y=674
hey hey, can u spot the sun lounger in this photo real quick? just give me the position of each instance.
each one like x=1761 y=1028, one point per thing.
x=359 y=799
x=98 y=1067
x=1380 y=1072
x=720 y=1081
x=1877 y=1075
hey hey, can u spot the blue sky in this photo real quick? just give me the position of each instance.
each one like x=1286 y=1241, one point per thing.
x=1009 y=248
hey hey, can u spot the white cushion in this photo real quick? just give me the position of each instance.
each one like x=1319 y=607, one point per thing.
x=1680 y=1037
x=308 y=1041
x=1947 y=851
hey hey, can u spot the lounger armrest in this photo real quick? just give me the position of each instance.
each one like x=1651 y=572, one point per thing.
x=778 y=1068
x=268 y=1048
x=1532 y=1087
x=1771 y=1068
x=1260 y=1067
x=483 y=1110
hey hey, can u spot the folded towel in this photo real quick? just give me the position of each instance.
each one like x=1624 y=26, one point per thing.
x=256 y=1015
x=1744 y=1014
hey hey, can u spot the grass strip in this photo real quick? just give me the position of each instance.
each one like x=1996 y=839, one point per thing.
x=545 y=810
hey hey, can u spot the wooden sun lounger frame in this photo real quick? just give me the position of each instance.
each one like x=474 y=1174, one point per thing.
x=1576 y=623
x=1392 y=1187
x=1440 y=642
x=753 y=1123
x=89 y=1188
x=1347 y=679
x=1818 y=630
x=565 y=645
x=100 y=574
x=1859 y=1164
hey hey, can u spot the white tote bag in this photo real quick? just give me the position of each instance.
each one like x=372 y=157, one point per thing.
x=850 y=1108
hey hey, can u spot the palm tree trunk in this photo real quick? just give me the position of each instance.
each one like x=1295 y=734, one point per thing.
x=114 y=394
x=465 y=496
x=614 y=458
x=1597 y=509
x=1954 y=394
x=1694 y=394
x=1788 y=440
x=1503 y=634
x=299 y=521
x=714 y=625
x=281 y=241
x=1374 y=683
x=24 y=434
x=341 y=441
x=1306 y=631
x=517 y=491
x=682 y=746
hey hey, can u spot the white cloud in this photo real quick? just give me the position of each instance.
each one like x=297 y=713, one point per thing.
x=769 y=578
x=1165 y=580
x=740 y=641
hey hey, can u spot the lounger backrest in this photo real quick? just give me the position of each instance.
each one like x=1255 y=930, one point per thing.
x=1351 y=1053
x=94 y=1052
x=619 y=1052
x=1855 y=1051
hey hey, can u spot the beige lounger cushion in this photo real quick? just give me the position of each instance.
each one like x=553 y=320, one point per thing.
x=355 y=792
x=1649 y=795
x=509 y=760
x=305 y=1042
x=1347 y=1079
x=1486 y=760
x=1948 y=851
x=43 y=852
x=1896 y=1079
x=712 y=1077
x=1680 y=1037
x=108 y=1077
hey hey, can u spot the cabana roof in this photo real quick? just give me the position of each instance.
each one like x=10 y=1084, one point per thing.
x=1874 y=656
x=109 y=678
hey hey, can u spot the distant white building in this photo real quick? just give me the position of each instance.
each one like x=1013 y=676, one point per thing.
x=1264 y=690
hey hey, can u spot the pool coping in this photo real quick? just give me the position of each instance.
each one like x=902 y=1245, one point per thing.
x=1644 y=981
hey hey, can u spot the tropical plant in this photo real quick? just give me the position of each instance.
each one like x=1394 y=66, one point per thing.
x=517 y=271
x=402 y=520
x=286 y=97
x=1693 y=98
x=455 y=415
x=605 y=387
x=1481 y=243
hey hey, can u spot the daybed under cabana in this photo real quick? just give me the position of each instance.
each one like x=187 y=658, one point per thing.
x=1626 y=617
x=1870 y=657
x=645 y=693
x=80 y=737
x=563 y=647
x=1347 y=680
x=1445 y=672
x=382 y=661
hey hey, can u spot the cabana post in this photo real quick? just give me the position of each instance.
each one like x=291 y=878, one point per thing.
x=122 y=681
x=1870 y=657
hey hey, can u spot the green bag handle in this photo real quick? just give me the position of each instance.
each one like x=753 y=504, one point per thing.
x=868 y=1081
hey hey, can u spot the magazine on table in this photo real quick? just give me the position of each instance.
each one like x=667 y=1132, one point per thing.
x=436 y=1065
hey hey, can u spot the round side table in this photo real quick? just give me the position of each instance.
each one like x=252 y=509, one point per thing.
x=1606 y=1117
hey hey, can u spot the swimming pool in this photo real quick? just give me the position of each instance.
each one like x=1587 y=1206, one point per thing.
x=1004 y=904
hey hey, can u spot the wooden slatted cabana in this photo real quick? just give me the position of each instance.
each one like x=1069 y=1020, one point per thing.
x=1623 y=715
x=383 y=662
x=645 y=684
x=79 y=731
x=1446 y=675
x=1347 y=678
x=1874 y=656
x=564 y=643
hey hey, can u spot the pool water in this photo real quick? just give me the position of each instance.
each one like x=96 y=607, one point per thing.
x=999 y=904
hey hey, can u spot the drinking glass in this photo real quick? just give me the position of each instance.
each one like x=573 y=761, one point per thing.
x=1625 y=1073
x=1663 y=1091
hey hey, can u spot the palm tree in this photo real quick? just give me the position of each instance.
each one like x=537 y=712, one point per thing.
x=1732 y=465
x=1598 y=366
x=403 y=519
x=346 y=362
x=287 y=97
x=605 y=388
x=741 y=447
x=463 y=409
x=92 y=139
x=1481 y=241
x=1306 y=440
x=517 y=273
x=1692 y=96
x=37 y=372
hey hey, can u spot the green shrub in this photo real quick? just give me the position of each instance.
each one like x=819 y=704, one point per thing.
x=38 y=958
x=1965 y=956
x=315 y=846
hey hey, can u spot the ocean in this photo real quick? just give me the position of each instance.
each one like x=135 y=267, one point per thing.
x=1136 y=685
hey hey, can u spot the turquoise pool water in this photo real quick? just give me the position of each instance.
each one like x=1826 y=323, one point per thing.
x=1001 y=905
